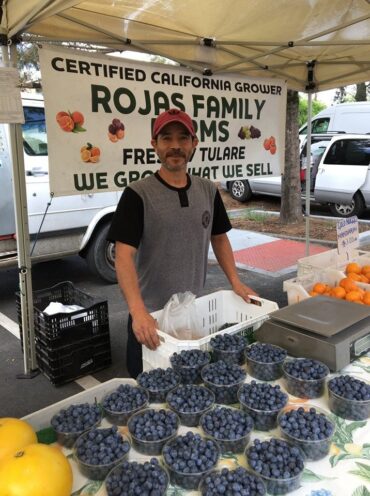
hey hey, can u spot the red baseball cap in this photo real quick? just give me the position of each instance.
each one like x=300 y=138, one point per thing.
x=173 y=115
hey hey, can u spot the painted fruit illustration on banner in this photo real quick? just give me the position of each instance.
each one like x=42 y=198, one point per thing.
x=269 y=144
x=90 y=153
x=116 y=130
x=249 y=132
x=70 y=122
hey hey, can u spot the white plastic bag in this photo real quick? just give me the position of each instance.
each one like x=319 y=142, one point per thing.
x=179 y=317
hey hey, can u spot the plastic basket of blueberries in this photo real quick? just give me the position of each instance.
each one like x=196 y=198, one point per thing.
x=265 y=361
x=190 y=457
x=279 y=464
x=349 y=397
x=309 y=428
x=120 y=404
x=158 y=382
x=190 y=401
x=98 y=451
x=188 y=365
x=150 y=429
x=237 y=481
x=305 y=378
x=137 y=478
x=229 y=347
x=229 y=427
x=263 y=403
x=73 y=421
x=224 y=379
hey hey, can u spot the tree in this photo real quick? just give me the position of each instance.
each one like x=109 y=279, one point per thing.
x=291 y=209
x=317 y=106
x=361 y=92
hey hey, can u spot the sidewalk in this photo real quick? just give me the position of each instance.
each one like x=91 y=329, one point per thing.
x=267 y=255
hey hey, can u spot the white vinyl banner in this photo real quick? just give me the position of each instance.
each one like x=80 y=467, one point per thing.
x=100 y=111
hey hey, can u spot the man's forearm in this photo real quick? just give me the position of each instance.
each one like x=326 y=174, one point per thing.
x=127 y=278
x=225 y=257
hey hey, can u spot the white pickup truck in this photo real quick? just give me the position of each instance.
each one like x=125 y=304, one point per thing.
x=71 y=225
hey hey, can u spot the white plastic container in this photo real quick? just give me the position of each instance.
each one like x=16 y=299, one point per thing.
x=330 y=259
x=298 y=288
x=213 y=311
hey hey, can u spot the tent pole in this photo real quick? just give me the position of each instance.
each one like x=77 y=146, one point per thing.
x=308 y=172
x=23 y=244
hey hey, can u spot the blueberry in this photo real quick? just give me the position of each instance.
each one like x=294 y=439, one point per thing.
x=69 y=423
x=158 y=382
x=150 y=429
x=263 y=403
x=349 y=397
x=264 y=361
x=278 y=463
x=189 y=402
x=309 y=430
x=232 y=482
x=188 y=458
x=137 y=478
x=305 y=378
x=188 y=365
x=229 y=348
x=224 y=380
x=230 y=427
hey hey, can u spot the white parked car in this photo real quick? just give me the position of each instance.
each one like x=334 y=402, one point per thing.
x=342 y=180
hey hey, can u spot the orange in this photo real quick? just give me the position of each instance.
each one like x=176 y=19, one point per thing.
x=338 y=292
x=353 y=267
x=365 y=268
x=366 y=298
x=363 y=278
x=354 y=296
x=85 y=155
x=354 y=276
x=319 y=288
x=313 y=293
x=348 y=284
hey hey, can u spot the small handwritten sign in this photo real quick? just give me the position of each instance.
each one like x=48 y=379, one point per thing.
x=347 y=234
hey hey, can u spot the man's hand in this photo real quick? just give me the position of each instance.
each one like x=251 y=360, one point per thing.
x=243 y=291
x=144 y=327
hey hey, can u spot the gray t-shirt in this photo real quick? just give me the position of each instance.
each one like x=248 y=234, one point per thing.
x=171 y=228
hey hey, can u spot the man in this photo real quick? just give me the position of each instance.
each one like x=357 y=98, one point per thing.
x=162 y=228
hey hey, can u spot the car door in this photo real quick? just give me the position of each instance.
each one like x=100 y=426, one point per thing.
x=342 y=170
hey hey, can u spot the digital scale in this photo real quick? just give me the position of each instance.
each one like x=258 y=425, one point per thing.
x=334 y=331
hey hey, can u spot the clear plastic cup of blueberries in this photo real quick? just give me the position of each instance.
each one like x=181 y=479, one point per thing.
x=189 y=458
x=227 y=481
x=265 y=361
x=305 y=378
x=73 y=421
x=120 y=404
x=229 y=427
x=135 y=478
x=229 y=347
x=349 y=397
x=158 y=382
x=150 y=429
x=188 y=365
x=224 y=379
x=279 y=464
x=98 y=451
x=190 y=402
x=263 y=403
x=309 y=428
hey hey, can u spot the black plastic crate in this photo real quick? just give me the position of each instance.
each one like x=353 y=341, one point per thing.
x=66 y=328
x=67 y=363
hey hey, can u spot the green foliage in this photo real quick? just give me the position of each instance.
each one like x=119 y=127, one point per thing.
x=361 y=491
x=317 y=107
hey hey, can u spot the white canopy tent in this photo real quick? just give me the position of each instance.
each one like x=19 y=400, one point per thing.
x=313 y=44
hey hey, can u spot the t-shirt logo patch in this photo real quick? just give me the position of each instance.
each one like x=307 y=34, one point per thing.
x=206 y=218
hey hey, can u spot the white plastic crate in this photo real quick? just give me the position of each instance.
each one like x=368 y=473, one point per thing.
x=330 y=259
x=298 y=288
x=213 y=311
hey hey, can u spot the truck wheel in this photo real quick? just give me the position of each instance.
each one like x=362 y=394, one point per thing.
x=240 y=190
x=101 y=255
x=356 y=207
